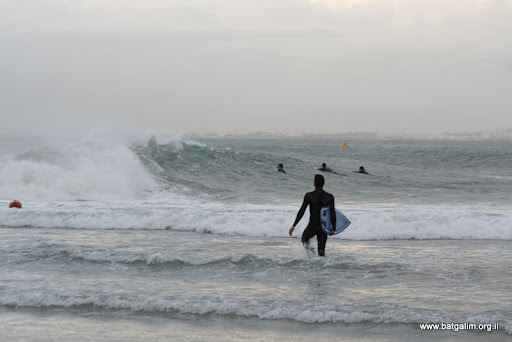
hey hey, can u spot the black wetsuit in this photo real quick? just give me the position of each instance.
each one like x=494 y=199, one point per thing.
x=327 y=169
x=316 y=200
x=281 y=170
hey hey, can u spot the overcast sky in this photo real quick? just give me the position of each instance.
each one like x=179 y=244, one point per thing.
x=317 y=66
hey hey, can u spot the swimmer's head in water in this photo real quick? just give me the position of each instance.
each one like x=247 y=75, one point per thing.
x=324 y=165
x=361 y=168
x=319 y=181
x=280 y=165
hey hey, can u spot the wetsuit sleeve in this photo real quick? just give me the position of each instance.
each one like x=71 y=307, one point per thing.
x=302 y=210
x=333 y=213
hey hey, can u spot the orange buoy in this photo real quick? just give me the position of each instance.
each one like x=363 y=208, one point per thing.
x=15 y=204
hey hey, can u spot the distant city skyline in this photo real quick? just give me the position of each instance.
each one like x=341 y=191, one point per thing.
x=500 y=134
x=209 y=66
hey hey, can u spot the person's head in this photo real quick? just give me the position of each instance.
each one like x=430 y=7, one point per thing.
x=319 y=181
x=280 y=165
x=361 y=168
x=324 y=165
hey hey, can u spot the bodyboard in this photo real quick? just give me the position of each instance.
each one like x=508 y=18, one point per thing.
x=342 y=221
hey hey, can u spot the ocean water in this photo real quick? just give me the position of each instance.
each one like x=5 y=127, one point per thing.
x=176 y=239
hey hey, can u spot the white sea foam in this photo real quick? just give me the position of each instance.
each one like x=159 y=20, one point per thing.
x=117 y=192
x=428 y=223
x=254 y=220
x=217 y=304
x=99 y=169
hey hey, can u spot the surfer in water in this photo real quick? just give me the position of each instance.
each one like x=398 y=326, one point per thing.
x=328 y=169
x=316 y=200
x=280 y=168
x=362 y=170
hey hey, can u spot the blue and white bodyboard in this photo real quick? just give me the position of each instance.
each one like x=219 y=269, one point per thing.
x=342 y=221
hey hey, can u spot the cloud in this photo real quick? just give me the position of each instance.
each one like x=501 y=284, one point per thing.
x=349 y=4
x=342 y=5
x=256 y=65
